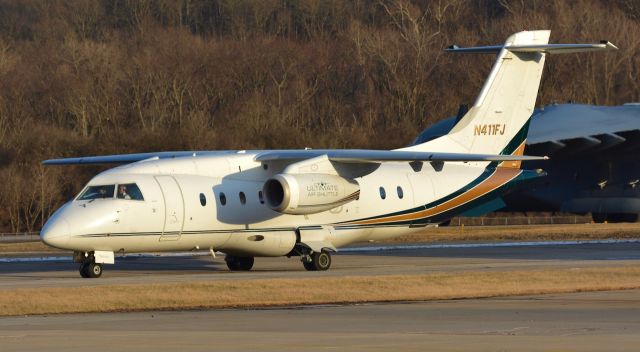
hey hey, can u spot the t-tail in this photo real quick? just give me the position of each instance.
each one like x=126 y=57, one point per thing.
x=498 y=121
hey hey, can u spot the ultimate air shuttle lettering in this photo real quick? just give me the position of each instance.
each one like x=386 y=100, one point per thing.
x=307 y=203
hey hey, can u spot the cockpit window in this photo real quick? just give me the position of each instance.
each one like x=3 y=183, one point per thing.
x=98 y=192
x=129 y=191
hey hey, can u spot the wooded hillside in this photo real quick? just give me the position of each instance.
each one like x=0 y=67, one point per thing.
x=104 y=77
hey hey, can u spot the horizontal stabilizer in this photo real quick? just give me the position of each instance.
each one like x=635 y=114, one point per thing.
x=546 y=48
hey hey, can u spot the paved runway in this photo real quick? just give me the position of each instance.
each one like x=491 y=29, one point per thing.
x=580 y=322
x=133 y=270
x=603 y=321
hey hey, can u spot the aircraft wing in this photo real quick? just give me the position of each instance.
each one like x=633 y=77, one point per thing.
x=378 y=156
x=341 y=155
x=128 y=158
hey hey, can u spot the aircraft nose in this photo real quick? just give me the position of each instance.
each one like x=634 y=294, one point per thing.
x=55 y=233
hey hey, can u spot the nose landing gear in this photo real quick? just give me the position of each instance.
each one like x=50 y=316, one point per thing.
x=89 y=268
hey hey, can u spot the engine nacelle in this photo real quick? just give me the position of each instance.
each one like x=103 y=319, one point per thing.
x=308 y=193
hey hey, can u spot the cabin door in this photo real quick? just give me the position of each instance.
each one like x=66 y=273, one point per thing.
x=173 y=208
x=421 y=188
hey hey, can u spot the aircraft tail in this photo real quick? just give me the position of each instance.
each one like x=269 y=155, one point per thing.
x=498 y=121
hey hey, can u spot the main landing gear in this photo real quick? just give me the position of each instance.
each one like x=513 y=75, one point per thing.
x=89 y=268
x=316 y=261
x=235 y=263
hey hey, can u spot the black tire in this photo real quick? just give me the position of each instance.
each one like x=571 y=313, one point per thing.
x=599 y=218
x=94 y=270
x=239 y=263
x=310 y=266
x=320 y=261
x=84 y=270
x=622 y=217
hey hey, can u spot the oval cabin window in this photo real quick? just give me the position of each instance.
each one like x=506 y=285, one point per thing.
x=400 y=192
x=243 y=198
x=203 y=199
x=223 y=199
x=383 y=193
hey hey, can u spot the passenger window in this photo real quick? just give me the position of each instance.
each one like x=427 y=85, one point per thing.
x=98 y=192
x=243 y=198
x=129 y=191
x=260 y=197
x=400 y=192
x=383 y=193
x=223 y=199
x=203 y=199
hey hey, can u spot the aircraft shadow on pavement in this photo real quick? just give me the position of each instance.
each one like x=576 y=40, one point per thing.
x=205 y=264
x=133 y=264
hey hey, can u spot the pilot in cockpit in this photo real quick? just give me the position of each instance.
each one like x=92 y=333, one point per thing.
x=122 y=192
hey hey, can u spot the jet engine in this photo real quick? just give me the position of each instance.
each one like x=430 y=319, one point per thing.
x=308 y=193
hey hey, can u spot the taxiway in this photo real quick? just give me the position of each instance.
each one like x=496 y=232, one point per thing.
x=579 y=322
x=420 y=259
x=601 y=321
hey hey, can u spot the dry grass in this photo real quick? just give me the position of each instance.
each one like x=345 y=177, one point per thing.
x=525 y=233
x=319 y=290
x=22 y=247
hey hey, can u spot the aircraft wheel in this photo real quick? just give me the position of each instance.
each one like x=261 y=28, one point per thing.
x=90 y=270
x=309 y=266
x=84 y=270
x=622 y=217
x=94 y=269
x=599 y=218
x=320 y=261
x=239 y=263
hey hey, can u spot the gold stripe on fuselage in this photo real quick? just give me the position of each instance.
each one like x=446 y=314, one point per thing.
x=499 y=177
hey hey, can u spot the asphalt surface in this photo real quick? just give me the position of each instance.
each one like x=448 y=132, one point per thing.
x=136 y=270
x=603 y=321
x=570 y=322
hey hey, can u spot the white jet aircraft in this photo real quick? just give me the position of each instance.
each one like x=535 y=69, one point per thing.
x=306 y=203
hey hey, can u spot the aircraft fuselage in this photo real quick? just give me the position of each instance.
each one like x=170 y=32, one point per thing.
x=218 y=202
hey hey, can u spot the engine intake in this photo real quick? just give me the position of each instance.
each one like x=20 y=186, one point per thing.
x=308 y=193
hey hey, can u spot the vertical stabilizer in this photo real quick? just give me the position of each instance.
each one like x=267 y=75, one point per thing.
x=506 y=100
x=498 y=121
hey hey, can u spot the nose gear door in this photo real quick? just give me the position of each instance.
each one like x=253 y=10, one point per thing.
x=173 y=208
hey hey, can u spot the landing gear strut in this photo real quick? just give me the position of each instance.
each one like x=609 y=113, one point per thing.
x=238 y=263
x=89 y=268
x=316 y=261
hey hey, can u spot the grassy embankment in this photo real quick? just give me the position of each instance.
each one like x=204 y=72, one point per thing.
x=21 y=247
x=319 y=290
x=526 y=233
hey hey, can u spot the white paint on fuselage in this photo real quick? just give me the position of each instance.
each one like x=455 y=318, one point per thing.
x=136 y=226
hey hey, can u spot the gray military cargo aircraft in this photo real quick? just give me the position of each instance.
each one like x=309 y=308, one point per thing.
x=593 y=166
